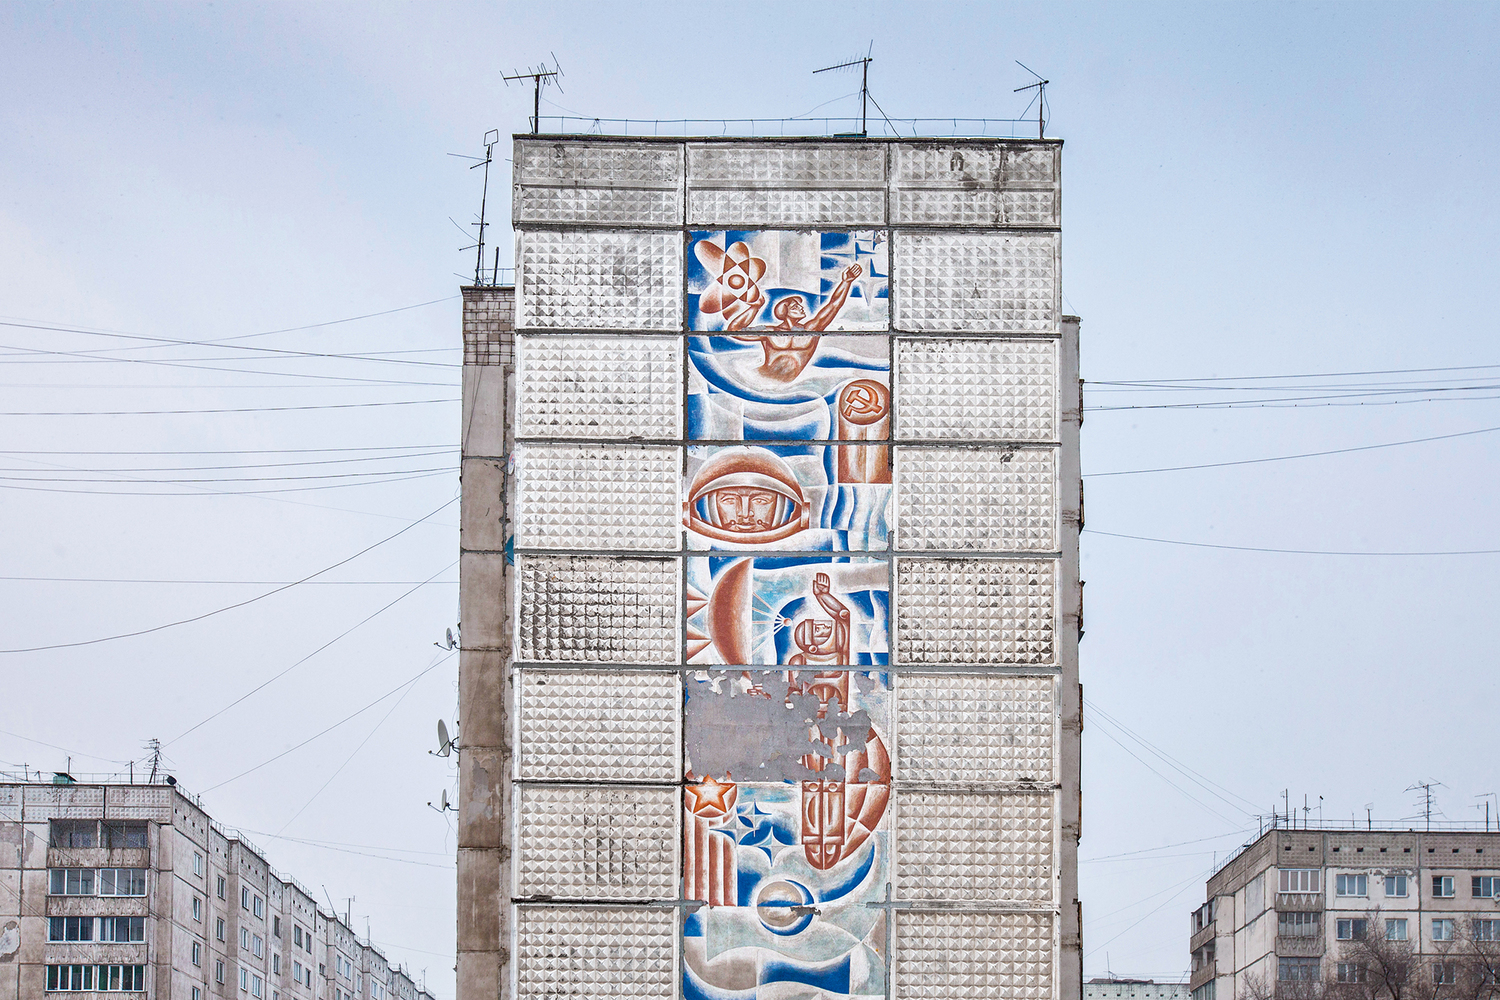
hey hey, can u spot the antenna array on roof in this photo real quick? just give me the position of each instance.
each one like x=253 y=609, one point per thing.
x=863 y=62
x=539 y=77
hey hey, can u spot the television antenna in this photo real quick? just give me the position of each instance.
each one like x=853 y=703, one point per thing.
x=539 y=77
x=1426 y=788
x=490 y=138
x=863 y=62
x=1041 y=98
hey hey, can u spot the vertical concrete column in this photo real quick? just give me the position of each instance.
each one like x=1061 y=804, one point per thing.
x=1070 y=602
x=484 y=657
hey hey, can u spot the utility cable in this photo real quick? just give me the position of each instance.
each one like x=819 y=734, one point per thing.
x=309 y=656
x=1215 y=789
x=1287 y=458
x=227 y=493
x=1289 y=552
x=240 y=604
x=324 y=732
x=234 y=409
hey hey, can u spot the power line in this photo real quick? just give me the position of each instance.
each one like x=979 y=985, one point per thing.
x=229 y=479
x=1293 y=552
x=324 y=732
x=239 y=409
x=1234 y=404
x=36 y=355
x=1287 y=458
x=236 y=583
x=1353 y=374
x=227 y=493
x=256 y=465
x=231 y=607
x=246 y=451
x=1163 y=847
x=1207 y=784
x=270 y=680
x=54 y=746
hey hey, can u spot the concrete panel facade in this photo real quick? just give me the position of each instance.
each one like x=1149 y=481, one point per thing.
x=769 y=577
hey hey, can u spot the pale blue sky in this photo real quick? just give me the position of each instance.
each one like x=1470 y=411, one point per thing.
x=1266 y=189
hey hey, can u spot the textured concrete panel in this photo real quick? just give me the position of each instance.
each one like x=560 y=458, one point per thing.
x=984 y=390
x=595 y=952
x=593 y=496
x=977 y=282
x=975 y=208
x=973 y=729
x=597 y=843
x=599 y=280
x=600 y=388
x=603 y=184
x=975 y=846
x=597 y=609
x=974 y=611
x=587 y=725
x=774 y=164
x=973 y=956
x=774 y=207
x=976 y=499
x=956 y=184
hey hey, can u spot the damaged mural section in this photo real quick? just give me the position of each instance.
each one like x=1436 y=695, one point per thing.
x=785 y=840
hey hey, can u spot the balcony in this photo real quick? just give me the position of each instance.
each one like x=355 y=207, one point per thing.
x=1299 y=901
x=1203 y=974
x=1300 y=947
x=1201 y=938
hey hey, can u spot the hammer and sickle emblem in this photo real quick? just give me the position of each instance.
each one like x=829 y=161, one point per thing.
x=863 y=401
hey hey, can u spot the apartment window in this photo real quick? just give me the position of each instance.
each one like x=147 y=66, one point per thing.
x=1395 y=885
x=259 y=906
x=1395 y=930
x=119 y=835
x=73 y=833
x=1442 y=930
x=244 y=899
x=297 y=935
x=245 y=938
x=70 y=929
x=197 y=863
x=260 y=947
x=197 y=993
x=219 y=928
x=244 y=979
x=122 y=881
x=276 y=964
x=1487 y=930
x=297 y=971
x=257 y=986
x=122 y=930
x=276 y=927
x=70 y=977
x=1351 y=885
x=1444 y=973
x=1297 y=924
x=1350 y=930
x=1485 y=886
x=1351 y=972
x=309 y=975
x=219 y=972
x=307 y=942
x=1299 y=880
x=1297 y=970
x=106 y=978
x=197 y=953
x=220 y=886
x=322 y=970
x=198 y=909
x=72 y=882
x=1442 y=885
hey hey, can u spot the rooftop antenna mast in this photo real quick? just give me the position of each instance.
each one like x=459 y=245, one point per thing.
x=539 y=77
x=1041 y=93
x=490 y=138
x=863 y=62
x=1426 y=788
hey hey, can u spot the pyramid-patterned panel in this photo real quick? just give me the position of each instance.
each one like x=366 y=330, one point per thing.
x=976 y=390
x=976 y=499
x=599 y=280
x=992 y=847
x=597 y=842
x=975 y=729
x=600 y=388
x=974 y=208
x=974 y=611
x=973 y=956
x=973 y=167
x=976 y=282
x=772 y=207
x=597 y=609
x=597 y=497
x=585 y=725
x=804 y=165
x=595 y=953
x=609 y=165
x=599 y=206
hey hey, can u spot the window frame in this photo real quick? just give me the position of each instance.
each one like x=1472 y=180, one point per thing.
x=1442 y=887
x=1402 y=881
x=1484 y=886
x=198 y=953
x=1393 y=924
x=1309 y=880
x=1446 y=924
x=1358 y=929
x=1359 y=883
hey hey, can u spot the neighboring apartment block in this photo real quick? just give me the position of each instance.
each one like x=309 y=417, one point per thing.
x=1107 y=988
x=1299 y=907
x=132 y=888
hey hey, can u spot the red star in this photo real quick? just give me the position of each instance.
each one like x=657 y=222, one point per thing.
x=712 y=798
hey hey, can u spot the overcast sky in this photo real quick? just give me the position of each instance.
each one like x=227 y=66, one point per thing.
x=1257 y=190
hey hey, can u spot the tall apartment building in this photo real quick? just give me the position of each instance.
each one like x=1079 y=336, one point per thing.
x=769 y=579
x=132 y=888
x=1110 y=988
x=1295 y=907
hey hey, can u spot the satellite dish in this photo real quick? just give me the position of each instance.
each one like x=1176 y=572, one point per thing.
x=445 y=745
x=444 y=800
x=451 y=643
